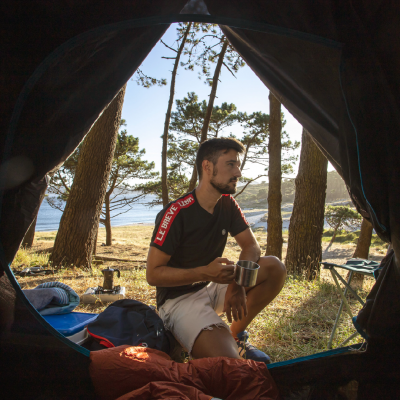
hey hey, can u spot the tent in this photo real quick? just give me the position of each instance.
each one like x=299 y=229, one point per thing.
x=332 y=63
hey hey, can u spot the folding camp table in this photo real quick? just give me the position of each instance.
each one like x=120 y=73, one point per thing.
x=364 y=267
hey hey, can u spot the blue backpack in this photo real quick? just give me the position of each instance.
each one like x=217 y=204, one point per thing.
x=130 y=322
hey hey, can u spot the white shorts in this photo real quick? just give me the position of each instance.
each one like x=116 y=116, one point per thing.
x=189 y=314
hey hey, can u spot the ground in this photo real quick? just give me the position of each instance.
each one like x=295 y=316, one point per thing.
x=297 y=323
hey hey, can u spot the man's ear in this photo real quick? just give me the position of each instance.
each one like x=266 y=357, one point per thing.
x=206 y=165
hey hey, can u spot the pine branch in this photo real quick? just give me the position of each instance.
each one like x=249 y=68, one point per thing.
x=229 y=70
x=171 y=48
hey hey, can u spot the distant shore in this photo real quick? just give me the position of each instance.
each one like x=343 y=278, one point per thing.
x=102 y=227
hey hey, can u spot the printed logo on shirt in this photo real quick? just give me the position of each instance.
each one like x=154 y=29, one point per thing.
x=186 y=201
x=169 y=217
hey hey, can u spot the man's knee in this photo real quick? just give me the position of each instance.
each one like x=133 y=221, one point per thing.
x=274 y=267
x=215 y=341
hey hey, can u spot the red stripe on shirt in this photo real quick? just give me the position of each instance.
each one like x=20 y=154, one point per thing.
x=169 y=217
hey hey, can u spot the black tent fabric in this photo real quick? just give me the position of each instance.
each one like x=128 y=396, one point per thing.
x=333 y=64
x=333 y=73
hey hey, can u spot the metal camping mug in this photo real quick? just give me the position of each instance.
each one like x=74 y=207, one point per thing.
x=246 y=273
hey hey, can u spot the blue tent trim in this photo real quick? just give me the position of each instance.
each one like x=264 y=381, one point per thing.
x=328 y=353
x=384 y=229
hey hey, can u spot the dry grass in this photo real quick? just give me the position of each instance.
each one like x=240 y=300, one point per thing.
x=297 y=323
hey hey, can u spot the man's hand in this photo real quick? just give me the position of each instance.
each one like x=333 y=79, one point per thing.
x=235 y=302
x=221 y=270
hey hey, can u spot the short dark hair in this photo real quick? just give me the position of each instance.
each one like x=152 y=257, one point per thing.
x=212 y=149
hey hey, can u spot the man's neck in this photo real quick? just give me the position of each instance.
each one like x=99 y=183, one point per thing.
x=207 y=196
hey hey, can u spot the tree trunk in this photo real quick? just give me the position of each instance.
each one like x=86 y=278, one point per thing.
x=80 y=220
x=164 y=183
x=107 y=220
x=207 y=118
x=364 y=241
x=95 y=242
x=244 y=158
x=193 y=179
x=362 y=250
x=332 y=240
x=27 y=241
x=307 y=220
x=274 y=221
x=29 y=235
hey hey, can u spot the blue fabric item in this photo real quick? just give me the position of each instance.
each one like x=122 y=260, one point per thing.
x=365 y=267
x=248 y=351
x=40 y=298
x=53 y=298
x=328 y=353
x=359 y=329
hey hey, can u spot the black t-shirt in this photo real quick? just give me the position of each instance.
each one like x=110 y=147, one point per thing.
x=193 y=237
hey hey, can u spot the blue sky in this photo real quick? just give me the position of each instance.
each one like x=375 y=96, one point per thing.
x=144 y=109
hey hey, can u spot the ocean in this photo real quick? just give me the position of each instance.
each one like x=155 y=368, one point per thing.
x=49 y=218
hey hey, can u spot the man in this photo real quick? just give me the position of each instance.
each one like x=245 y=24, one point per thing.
x=194 y=284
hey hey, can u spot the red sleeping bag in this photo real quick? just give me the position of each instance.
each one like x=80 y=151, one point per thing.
x=127 y=372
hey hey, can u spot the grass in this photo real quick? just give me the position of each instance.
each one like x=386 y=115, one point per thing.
x=346 y=237
x=297 y=323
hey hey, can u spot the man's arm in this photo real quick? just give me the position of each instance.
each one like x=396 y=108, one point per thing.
x=235 y=298
x=221 y=270
x=248 y=243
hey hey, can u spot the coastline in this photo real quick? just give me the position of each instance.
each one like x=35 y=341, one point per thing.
x=102 y=227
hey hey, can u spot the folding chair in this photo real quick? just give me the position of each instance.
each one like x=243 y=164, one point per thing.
x=364 y=267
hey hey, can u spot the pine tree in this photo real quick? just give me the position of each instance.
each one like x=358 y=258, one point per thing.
x=307 y=220
x=79 y=223
x=121 y=193
x=274 y=227
x=183 y=32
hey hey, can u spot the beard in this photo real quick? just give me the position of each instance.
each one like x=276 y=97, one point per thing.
x=223 y=188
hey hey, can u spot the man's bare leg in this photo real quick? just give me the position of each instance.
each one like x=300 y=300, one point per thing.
x=270 y=280
x=217 y=342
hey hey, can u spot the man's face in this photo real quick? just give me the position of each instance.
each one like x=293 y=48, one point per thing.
x=226 y=172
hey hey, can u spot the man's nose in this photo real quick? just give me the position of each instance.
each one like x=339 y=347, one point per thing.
x=238 y=173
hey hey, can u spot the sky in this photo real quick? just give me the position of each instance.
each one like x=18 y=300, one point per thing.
x=144 y=109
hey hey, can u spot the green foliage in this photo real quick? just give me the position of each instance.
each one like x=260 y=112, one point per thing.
x=127 y=165
x=346 y=237
x=177 y=186
x=340 y=217
x=335 y=187
x=189 y=115
x=203 y=48
x=185 y=129
x=184 y=140
x=255 y=140
x=262 y=194
x=147 y=81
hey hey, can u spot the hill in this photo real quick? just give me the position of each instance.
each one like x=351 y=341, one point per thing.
x=256 y=195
